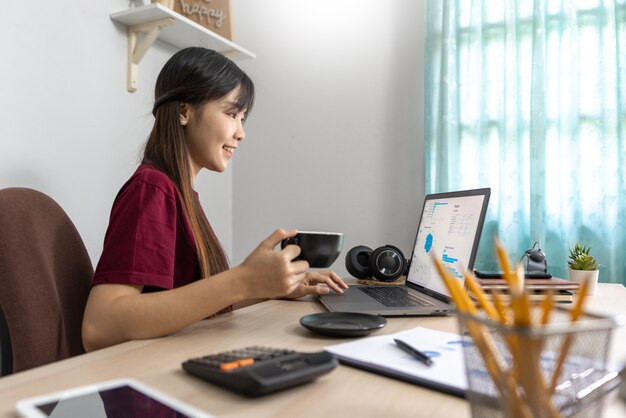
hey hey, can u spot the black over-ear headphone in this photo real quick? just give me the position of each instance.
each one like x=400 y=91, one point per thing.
x=385 y=263
x=535 y=259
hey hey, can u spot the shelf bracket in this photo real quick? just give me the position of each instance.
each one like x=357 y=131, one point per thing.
x=137 y=49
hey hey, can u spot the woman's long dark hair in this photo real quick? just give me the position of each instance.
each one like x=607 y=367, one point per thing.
x=193 y=76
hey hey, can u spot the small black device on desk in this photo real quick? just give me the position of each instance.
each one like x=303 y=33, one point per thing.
x=256 y=370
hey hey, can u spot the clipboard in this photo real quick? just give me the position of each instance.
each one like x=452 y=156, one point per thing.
x=380 y=355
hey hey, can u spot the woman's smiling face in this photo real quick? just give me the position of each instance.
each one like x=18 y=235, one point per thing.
x=213 y=131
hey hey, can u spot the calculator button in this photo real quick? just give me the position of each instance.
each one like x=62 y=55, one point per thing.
x=246 y=362
x=226 y=367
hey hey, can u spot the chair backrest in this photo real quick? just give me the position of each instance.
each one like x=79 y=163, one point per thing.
x=45 y=276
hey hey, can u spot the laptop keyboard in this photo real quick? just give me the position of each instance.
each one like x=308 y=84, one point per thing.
x=395 y=297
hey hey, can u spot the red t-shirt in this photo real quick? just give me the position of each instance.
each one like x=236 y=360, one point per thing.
x=149 y=240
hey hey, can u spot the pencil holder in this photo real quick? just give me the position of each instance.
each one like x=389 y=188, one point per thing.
x=556 y=370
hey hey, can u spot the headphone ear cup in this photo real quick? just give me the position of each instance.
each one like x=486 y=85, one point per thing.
x=536 y=261
x=387 y=263
x=537 y=255
x=358 y=262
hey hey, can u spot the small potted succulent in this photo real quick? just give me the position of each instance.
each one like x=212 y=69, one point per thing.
x=583 y=266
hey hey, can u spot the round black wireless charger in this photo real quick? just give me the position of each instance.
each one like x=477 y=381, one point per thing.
x=342 y=324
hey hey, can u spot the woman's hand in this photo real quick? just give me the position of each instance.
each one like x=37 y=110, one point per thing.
x=271 y=273
x=318 y=283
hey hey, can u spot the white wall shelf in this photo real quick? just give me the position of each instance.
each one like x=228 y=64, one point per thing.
x=159 y=22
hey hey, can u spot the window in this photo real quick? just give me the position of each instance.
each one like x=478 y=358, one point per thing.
x=529 y=98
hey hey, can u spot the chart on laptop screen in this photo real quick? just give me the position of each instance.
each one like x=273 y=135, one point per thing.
x=448 y=227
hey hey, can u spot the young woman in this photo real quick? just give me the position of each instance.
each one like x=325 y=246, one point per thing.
x=162 y=267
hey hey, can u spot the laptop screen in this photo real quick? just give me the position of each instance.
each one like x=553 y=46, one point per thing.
x=450 y=225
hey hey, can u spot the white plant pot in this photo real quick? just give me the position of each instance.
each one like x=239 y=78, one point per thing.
x=579 y=276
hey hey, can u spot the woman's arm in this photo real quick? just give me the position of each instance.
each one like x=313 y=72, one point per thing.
x=117 y=312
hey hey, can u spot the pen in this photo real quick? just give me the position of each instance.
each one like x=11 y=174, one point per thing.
x=414 y=352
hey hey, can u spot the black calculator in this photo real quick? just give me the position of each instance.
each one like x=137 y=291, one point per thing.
x=256 y=370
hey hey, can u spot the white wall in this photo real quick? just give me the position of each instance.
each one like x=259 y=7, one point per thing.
x=335 y=141
x=68 y=127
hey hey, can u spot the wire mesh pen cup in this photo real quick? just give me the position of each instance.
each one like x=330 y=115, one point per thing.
x=556 y=370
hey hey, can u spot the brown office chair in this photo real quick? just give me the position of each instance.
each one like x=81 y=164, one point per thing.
x=45 y=275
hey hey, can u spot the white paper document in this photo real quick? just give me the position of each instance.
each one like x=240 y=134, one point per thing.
x=381 y=355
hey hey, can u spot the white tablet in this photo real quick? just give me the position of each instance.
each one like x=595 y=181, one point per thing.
x=114 y=398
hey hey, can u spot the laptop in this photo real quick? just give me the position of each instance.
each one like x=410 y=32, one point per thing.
x=450 y=225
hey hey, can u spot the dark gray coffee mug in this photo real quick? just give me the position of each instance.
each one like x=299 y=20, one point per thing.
x=320 y=249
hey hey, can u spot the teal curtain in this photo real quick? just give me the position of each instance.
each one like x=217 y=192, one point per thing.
x=529 y=98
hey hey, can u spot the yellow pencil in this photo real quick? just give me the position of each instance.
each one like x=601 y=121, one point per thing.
x=576 y=311
x=520 y=298
x=499 y=304
x=480 y=296
x=546 y=307
x=466 y=301
x=505 y=264
x=515 y=280
x=582 y=295
x=447 y=280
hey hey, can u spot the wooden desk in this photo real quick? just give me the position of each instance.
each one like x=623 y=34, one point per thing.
x=344 y=392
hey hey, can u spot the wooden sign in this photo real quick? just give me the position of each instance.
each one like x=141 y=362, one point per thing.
x=212 y=14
